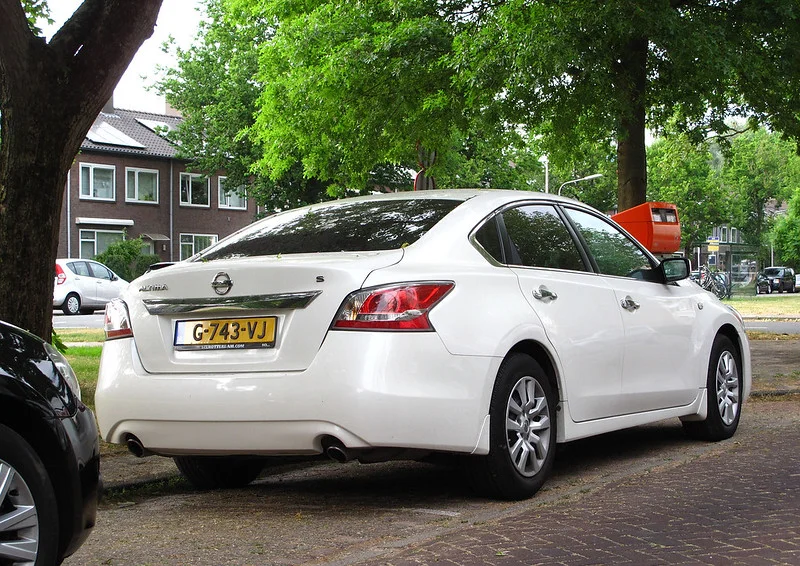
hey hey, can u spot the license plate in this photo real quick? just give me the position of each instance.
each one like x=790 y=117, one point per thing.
x=225 y=333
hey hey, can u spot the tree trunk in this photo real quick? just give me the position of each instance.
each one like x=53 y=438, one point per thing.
x=631 y=150
x=425 y=159
x=33 y=171
x=49 y=96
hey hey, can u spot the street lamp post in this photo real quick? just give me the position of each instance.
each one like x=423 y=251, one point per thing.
x=544 y=159
x=587 y=178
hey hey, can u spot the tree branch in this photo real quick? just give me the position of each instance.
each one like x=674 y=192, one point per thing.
x=68 y=40
x=15 y=43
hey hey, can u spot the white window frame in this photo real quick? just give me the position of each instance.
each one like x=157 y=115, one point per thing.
x=181 y=243
x=136 y=171
x=93 y=240
x=192 y=176
x=723 y=234
x=224 y=196
x=734 y=236
x=87 y=193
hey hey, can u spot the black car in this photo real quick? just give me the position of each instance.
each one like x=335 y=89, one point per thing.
x=778 y=279
x=49 y=453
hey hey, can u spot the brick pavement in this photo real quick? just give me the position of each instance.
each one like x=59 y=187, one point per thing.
x=738 y=506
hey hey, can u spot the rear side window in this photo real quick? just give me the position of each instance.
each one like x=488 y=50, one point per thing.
x=336 y=227
x=539 y=238
x=79 y=268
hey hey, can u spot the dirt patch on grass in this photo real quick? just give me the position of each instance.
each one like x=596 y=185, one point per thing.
x=776 y=364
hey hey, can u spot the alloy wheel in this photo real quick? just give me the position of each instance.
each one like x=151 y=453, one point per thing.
x=727 y=387
x=528 y=426
x=19 y=521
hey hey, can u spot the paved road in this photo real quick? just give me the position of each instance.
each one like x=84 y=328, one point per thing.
x=642 y=496
x=77 y=321
x=740 y=505
x=773 y=326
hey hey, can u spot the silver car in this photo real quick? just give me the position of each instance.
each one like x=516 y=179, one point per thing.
x=83 y=286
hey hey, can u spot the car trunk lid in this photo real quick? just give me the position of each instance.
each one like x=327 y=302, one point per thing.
x=243 y=315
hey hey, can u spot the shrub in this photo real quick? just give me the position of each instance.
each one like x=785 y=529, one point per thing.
x=125 y=258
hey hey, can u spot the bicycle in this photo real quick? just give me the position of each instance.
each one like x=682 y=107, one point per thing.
x=713 y=281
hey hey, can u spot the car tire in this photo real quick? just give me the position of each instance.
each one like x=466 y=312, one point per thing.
x=72 y=304
x=724 y=394
x=26 y=484
x=522 y=432
x=215 y=472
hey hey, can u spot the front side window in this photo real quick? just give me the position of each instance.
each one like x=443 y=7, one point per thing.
x=539 y=238
x=614 y=253
x=141 y=185
x=100 y=271
x=193 y=243
x=95 y=242
x=195 y=190
x=231 y=197
x=97 y=182
x=355 y=226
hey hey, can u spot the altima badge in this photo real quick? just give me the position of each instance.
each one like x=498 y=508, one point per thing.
x=153 y=287
x=222 y=283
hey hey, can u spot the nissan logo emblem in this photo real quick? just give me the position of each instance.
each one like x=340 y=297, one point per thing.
x=221 y=283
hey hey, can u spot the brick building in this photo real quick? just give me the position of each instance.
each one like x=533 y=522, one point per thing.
x=126 y=182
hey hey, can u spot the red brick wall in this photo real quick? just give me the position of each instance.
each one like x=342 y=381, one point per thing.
x=146 y=217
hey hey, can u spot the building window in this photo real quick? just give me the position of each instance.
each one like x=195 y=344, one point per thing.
x=97 y=182
x=231 y=198
x=193 y=243
x=94 y=242
x=734 y=236
x=141 y=185
x=195 y=190
x=723 y=234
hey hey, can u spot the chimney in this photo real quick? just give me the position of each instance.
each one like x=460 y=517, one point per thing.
x=170 y=111
x=109 y=106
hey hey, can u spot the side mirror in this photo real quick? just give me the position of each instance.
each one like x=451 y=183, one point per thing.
x=675 y=269
x=114 y=277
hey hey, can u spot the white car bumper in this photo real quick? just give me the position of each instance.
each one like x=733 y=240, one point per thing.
x=365 y=389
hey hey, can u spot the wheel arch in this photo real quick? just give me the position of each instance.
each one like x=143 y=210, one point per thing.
x=730 y=332
x=541 y=354
x=41 y=431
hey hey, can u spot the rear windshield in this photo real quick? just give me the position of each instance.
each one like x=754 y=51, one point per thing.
x=337 y=227
x=772 y=271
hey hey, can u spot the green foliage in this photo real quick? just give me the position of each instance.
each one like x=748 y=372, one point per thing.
x=277 y=91
x=760 y=168
x=125 y=258
x=769 y=31
x=786 y=234
x=215 y=87
x=349 y=85
x=37 y=11
x=680 y=172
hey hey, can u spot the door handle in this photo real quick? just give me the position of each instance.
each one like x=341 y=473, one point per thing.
x=544 y=294
x=629 y=304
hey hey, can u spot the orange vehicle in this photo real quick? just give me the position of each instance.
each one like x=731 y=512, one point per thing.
x=654 y=224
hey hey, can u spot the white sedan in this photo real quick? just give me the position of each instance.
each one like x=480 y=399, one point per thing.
x=487 y=324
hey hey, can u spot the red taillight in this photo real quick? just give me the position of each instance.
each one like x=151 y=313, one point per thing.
x=60 y=275
x=117 y=322
x=397 y=307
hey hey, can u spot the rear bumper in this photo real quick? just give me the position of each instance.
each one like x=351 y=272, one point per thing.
x=366 y=389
